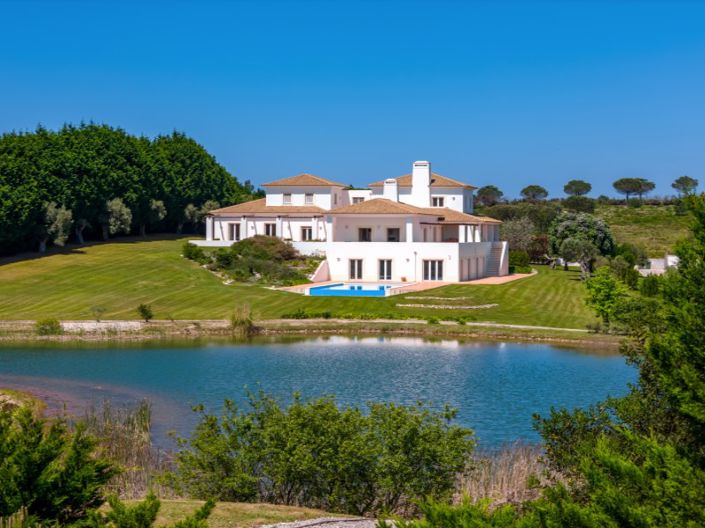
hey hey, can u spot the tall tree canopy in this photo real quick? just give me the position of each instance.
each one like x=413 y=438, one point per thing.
x=630 y=186
x=489 y=195
x=81 y=168
x=577 y=188
x=581 y=226
x=534 y=193
x=685 y=185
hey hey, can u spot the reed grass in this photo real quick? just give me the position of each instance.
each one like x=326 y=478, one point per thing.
x=124 y=435
x=511 y=474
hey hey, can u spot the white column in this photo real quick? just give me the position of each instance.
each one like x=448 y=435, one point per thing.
x=314 y=228
x=243 y=227
x=278 y=224
x=462 y=233
x=478 y=234
x=209 y=228
x=409 y=230
x=329 y=229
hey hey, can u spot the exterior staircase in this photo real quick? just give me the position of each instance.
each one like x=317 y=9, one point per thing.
x=495 y=261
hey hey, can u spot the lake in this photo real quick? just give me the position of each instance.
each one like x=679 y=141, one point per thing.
x=495 y=386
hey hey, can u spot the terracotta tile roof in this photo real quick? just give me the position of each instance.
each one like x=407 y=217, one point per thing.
x=451 y=216
x=259 y=206
x=441 y=214
x=437 y=180
x=380 y=206
x=304 y=180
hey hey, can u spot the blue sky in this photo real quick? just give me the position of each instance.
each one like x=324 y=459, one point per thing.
x=507 y=93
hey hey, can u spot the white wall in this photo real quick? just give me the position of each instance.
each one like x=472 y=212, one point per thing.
x=407 y=259
x=366 y=194
x=323 y=197
x=288 y=228
x=345 y=229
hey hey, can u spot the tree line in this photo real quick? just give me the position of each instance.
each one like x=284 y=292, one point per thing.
x=576 y=190
x=95 y=181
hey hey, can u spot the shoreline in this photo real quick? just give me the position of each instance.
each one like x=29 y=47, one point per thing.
x=126 y=331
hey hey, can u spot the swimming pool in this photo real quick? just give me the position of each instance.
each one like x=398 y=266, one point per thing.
x=350 y=289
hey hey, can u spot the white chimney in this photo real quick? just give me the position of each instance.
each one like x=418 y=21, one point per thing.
x=391 y=191
x=421 y=184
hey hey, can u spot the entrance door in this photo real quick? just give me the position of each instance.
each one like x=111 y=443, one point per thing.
x=234 y=232
x=433 y=270
x=385 y=270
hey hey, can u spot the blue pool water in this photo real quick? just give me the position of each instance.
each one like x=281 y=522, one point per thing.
x=350 y=290
x=496 y=387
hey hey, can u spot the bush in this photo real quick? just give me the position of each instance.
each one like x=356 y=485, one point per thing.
x=195 y=253
x=579 y=204
x=519 y=258
x=433 y=320
x=51 y=326
x=317 y=454
x=650 y=286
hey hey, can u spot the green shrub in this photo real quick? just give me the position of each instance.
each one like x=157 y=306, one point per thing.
x=433 y=320
x=579 y=204
x=50 y=326
x=317 y=454
x=519 y=258
x=650 y=286
x=195 y=253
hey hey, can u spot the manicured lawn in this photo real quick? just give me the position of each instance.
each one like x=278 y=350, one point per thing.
x=120 y=275
x=654 y=227
x=235 y=514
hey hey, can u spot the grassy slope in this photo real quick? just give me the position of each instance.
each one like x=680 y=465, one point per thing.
x=656 y=228
x=235 y=514
x=121 y=275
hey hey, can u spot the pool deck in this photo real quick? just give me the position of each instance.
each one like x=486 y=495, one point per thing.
x=415 y=286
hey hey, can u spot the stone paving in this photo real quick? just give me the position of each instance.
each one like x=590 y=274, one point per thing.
x=327 y=522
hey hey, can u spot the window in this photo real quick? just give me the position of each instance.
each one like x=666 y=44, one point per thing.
x=308 y=199
x=306 y=233
x=270 y=229
x=385 y=270
x=356 y=269
x=364 y=234
x=287 y=198
x=358 y=199
x=393 y=234
x=433 y=270
x=234 y=232
x=437 y=201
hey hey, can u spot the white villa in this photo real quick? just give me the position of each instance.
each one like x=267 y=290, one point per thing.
x=417 y=227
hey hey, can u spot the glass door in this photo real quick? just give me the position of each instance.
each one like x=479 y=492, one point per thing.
x=385 y=270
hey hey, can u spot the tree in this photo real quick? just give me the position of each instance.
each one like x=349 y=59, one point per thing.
x=157 y=213
x=583 y=226
x=145 y=312
x=56 y=226
x=82 y=167
x=489 y=195
x=316 y=453
x=685 y=185
x=116 y=218
x=519 y=233
x=579 y=250
x=53 y=474
x=645 y=187
x=188 y=216
x=577 y=188
x=627 y=186
x=534 y=193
